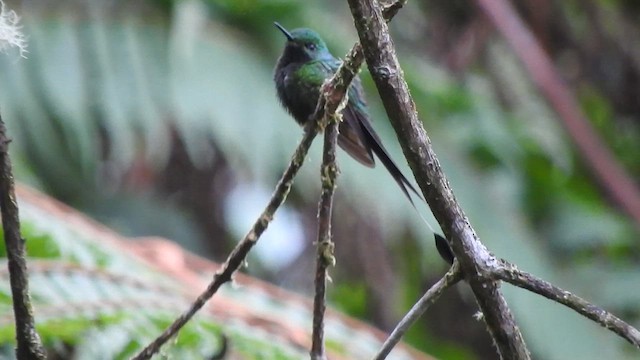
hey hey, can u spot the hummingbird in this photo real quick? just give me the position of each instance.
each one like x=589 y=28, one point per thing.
x=299 y=74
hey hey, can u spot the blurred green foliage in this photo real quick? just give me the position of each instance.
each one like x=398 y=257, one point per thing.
x=89 y=308
x=107 y=89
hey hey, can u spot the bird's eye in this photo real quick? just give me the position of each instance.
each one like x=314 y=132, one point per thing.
x=310 y=46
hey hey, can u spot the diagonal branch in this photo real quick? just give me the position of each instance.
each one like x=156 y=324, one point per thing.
x=473 y=256
x=240 y=252
x=511 y=274
x=452 y=277
x=29 y=344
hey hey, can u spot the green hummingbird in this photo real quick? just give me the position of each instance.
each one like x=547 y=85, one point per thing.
x=299 y=74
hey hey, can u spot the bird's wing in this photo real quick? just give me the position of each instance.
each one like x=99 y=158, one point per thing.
x=351 y=138
x=357 y=124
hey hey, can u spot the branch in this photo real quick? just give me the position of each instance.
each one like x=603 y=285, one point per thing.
x=475 y=260
x=596 y=155
x=239 y=253
x=29 y=344
x=452 y=277
x=328 y=174
x=347 y=72
x=511 y=274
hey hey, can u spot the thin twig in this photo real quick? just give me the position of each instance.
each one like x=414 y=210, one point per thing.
x=328 y=175
x=473 y=256
x=611 y=175
x=29 y=344
x=239 y=253
x=347 y=71
x=511 y=274
x=452 y=277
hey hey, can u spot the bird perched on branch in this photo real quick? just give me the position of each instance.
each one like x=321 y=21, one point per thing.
x=302 y=69
x=299 y=74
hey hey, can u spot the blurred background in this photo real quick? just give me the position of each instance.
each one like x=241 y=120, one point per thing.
x=160 y=118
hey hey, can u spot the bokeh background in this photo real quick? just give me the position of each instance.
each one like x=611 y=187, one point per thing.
x=160 y=118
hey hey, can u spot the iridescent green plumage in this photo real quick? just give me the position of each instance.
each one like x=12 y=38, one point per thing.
x=299 y=74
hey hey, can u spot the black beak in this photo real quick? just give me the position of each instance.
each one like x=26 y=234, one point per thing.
x=284 y=31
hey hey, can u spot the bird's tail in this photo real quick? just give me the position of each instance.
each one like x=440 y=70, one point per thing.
x=407 y=188
x=376 y=145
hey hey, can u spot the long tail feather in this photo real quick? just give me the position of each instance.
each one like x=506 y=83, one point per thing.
x=375 y=144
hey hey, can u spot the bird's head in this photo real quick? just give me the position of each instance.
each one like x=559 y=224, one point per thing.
x=303 y=45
